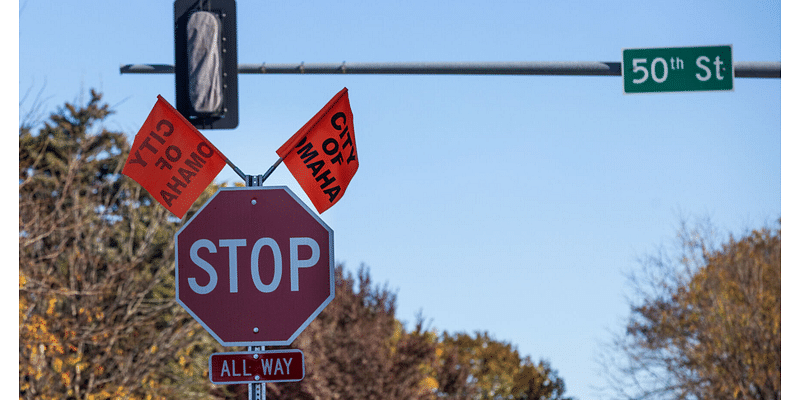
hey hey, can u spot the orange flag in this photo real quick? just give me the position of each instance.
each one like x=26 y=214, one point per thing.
x=322 y=154
x=172 y=160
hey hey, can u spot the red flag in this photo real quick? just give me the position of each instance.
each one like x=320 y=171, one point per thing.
x=322 y=154
x=172 y=160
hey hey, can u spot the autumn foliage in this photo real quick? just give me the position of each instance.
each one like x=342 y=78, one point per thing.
x=96 y=312
x=707 y=324
x=98 y=318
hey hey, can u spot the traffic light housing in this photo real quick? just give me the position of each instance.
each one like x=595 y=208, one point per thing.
x=206 y=66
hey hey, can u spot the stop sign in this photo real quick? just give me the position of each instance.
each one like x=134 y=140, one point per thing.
x=254 y=266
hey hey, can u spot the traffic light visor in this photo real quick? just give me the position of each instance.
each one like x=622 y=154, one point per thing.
x=203 y=34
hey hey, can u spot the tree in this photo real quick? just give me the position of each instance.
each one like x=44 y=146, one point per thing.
x=707 y=322
x=98 y=318
x=356 y=349
x=97 y=315
x=481 y=367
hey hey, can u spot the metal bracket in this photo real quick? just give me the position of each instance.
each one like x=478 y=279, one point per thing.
x=254 y=180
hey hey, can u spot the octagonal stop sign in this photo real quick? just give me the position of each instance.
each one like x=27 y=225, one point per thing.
x=254 y=266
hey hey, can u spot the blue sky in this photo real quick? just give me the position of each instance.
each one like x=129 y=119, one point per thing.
x=511 y=204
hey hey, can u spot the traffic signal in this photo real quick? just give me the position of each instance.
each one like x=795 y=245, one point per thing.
x=206 y=67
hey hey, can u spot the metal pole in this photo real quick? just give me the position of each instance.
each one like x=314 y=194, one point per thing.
x=237 y=170
x=255 y=391
x=745 y=69
x=441 y=68
x=271 y=170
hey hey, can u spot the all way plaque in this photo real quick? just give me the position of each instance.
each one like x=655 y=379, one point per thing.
x=257 y=366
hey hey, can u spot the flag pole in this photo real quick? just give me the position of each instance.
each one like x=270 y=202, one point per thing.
x=271 y=169
x=236 y=169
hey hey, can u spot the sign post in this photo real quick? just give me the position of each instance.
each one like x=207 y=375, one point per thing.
x=677 y=69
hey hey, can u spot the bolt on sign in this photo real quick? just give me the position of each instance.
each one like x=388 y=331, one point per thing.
x=677 y=69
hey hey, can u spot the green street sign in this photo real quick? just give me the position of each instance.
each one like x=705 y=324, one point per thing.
x=677 y=69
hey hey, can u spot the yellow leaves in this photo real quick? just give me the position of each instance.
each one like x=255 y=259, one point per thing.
x=100 y=337
x=722 y=319
x=192 y=360
x=52 y=370
x=91 y=312
x=77 y=362
x=66 y=378
x=23 y=311
x=429 y=384
x=35 y=332
x=119 y=393
x=394 y=340
x=57 y=364
x=51 y=305
x=95 y=315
